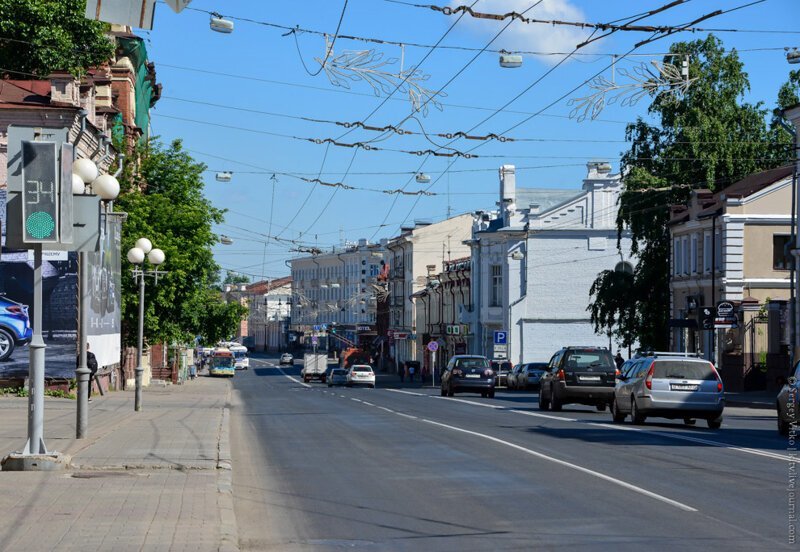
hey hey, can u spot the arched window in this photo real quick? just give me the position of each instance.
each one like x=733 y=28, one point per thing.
x=624 y=266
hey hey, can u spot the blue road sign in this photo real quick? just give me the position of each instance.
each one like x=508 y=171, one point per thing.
x=316 y=328
x=500 y=338
x=324 y=327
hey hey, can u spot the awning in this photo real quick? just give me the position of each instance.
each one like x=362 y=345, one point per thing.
x=683 y=323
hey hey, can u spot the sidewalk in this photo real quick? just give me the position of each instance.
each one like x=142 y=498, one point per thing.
x=158 y=479
x=752 y=399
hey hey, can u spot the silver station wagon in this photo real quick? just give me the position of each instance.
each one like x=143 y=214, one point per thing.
x=669 y=385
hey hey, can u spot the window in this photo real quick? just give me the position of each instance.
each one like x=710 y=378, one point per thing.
x=781 y=259
x=685 y=249
x=496 y=297
x=694 y=253
x=677 y=257
x=707 y=252
x=718 y=250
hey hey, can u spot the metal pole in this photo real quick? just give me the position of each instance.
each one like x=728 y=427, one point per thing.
x=82 y=372
x=35 y=444
x=433 y=368
x=139 y=369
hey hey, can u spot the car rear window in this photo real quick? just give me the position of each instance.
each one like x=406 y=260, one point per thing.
x=681 y=369
x=339 y=372
x=362 y=369
x=467 y=363
x=589 y=358
x=537 y=366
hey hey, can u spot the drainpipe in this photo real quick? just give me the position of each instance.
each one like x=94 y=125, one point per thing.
x=714 y=349
x=82 y=114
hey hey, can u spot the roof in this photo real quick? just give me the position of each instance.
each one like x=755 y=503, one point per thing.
x=746 y=187
x=545 y=198
x=266 y=286
x=35 y=92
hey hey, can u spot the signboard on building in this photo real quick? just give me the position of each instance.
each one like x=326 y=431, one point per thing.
x=707 y=316
x=726 y=316
x=401 y=335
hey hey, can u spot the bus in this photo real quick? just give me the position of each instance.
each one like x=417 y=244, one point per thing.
x=240 y=355
x=222 y=363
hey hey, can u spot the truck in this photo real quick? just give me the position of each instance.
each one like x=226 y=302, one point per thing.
x=315 y=366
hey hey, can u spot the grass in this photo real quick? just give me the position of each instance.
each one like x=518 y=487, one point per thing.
x=22 y=392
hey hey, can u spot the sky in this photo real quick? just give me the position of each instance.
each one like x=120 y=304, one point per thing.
x=249 y=101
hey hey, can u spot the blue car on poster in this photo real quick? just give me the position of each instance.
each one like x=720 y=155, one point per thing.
x=15 y=326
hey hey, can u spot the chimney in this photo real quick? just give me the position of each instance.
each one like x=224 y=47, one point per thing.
x=64 y=89
x=534 y=208
x=508 y=183
x=362 y=242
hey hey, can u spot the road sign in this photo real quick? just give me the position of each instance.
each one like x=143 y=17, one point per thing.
x=500 y=337
x=314 y=340
x=433 y=346
x=316 y=328
x=324 y=327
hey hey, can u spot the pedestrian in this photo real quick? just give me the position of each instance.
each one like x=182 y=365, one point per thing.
x=91 y=363
x=618 y=360
x=411 y=373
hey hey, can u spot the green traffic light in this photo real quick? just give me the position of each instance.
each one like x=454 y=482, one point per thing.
x=40 y=225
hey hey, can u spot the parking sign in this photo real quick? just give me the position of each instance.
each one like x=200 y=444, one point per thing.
x=500 y=337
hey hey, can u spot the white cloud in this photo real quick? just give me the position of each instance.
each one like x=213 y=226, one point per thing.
x=529 y=37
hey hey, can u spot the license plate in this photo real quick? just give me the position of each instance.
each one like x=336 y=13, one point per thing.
x=473 y=375
x=589 y=378
x=682 y=387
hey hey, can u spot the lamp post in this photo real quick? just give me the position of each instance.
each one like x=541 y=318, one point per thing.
x=136 y=256
x=85 y=173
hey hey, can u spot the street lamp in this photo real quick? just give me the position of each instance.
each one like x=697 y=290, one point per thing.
x=136 y=256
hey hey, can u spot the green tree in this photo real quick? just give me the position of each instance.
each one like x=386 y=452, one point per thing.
x=42 y=36
x=232 y=277
x=709 y=138
x=163 y=196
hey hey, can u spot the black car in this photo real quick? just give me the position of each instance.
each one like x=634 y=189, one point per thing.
x=469 y=373
x=583 y=375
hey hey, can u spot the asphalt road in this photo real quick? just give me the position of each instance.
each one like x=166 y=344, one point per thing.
x=318 y=468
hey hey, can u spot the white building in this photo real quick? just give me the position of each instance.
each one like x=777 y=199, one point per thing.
x=534 y=261
x=269 y=305
x=337 y=288
x=418 y=251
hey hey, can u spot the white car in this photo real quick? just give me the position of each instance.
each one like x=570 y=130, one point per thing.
x=361 y=374
x=287 y=358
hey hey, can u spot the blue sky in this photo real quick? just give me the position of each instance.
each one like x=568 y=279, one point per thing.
x=254 y=80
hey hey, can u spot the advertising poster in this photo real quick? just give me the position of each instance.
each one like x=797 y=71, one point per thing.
x=105 y=285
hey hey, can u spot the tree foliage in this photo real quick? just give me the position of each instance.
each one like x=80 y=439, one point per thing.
x=709 y=138
x=164 y=201
x=232 y=277
x=42 y=36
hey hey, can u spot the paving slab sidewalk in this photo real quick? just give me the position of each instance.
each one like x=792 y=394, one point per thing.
x=158 y=479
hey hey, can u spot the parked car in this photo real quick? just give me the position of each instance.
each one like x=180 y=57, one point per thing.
x=530 y=375
x=788 y=404
x=469 y=373
x=513 y=378
x=15 y=327
x=672 y=386
x=287 y=358
x=501 y=369
x=582 y=375
x=361 y=374
x=337 y=376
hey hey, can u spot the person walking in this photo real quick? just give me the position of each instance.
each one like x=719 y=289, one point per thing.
x=91 y=363
x=618 y=360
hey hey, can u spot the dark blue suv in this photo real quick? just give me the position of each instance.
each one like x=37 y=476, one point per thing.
x=15 y=327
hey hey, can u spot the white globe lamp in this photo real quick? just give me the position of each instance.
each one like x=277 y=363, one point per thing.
x=156 y=257
x=135 y=255
x=106 y=186
x=85 y=169
x=78 y=186
x=144 y=244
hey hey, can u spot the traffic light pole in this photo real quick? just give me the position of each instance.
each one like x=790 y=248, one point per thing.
x=35 y=444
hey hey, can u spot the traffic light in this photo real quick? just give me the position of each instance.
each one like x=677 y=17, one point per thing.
x=40 y=183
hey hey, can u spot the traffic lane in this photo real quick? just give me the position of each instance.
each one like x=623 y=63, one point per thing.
x=401 y=483
x=744 y=491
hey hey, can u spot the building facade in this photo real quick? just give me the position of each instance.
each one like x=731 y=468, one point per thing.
x=269 y=306
x=419 y=251
x=731 y=249
x=337 y=290
x=534 y=261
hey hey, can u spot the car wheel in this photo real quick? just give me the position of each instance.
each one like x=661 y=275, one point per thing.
x=689 y=421
x=372 y=386
x=450 y=392
x=636 y=416
x=601 y=407
x=783 y=426
x=616 y=416
x=555 y=404
x=491 y=394
x=715 y=423
x=483 y=394
x=544 y=404
x=443 y=392
x=330 y=385
x=6 y=344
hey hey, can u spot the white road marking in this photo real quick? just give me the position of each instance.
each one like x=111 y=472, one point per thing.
x=548 y=416
x=570 y=465
x=368 y=403
x=294 y=379
x=406 y=415
x=682 y=437
x=389 y=410
x=407 y=392
x=354 y=399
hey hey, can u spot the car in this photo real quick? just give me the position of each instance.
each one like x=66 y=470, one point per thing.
x=787 y=403
x=578 y=374
x=513 y=378
x=287 y=358
x=667 y=385
x=361 y=374
x=471 y=373
x=501 y=369
x=337 y=376
x=530 y=375
x=15 y=326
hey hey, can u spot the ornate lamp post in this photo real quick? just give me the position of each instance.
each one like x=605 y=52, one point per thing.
x=136 y=256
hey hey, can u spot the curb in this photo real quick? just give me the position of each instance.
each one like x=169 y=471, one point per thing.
x=229 y=530
x=747 y=404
